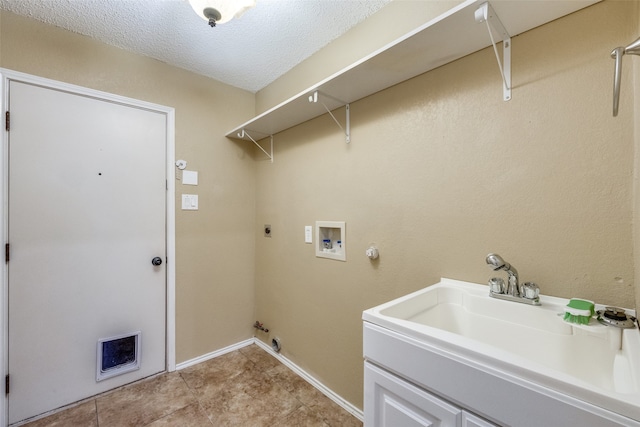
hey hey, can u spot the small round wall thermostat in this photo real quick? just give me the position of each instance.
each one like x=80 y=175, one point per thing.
x=372 y=252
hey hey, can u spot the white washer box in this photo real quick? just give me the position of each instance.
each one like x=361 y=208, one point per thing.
x=331 y=240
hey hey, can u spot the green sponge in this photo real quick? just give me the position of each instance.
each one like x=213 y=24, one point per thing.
x=579 y=311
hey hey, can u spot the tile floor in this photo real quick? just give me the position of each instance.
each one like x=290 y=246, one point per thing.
x=247 y=387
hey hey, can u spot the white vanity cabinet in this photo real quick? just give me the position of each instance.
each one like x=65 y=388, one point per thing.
x=390 y=401
x=411 y=382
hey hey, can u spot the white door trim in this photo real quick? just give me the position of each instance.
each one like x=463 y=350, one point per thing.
x=5 y=77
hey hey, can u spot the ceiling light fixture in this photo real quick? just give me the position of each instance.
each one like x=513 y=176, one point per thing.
x=220 y=11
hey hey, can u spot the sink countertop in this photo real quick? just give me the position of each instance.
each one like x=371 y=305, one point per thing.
x=518 y=339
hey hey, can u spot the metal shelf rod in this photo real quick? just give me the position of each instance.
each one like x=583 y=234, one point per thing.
x=485 y=13
x=244 y=133
x=315 y=99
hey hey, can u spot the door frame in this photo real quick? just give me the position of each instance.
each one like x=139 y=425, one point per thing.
x=7 y=76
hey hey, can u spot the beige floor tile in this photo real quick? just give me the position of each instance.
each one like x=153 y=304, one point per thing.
x=258 y=383
x=296 y=385
x=332 y=413
x=280 y=401
x=83 y=415
x=216 y=370
x=341 y=418
x=233 y=362
x=189 y=416
x=303 y=416
x=261 y=358
x=222 y=383
x=144 y=402
x=247 y=388
x=234 y=409
x=245 y=397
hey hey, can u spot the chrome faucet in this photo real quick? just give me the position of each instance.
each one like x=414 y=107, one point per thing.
x=496 y=262
x=527 y=293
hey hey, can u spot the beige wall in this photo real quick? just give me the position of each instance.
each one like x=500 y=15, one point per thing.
x=439 y=173
x=215 y=245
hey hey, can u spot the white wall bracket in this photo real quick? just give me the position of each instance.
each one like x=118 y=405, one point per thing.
x=315 y=99
x=244 y=134
x=485 y=13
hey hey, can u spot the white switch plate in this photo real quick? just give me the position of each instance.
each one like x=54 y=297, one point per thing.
x=189 y=202
x=189 y=177
x=308 y=233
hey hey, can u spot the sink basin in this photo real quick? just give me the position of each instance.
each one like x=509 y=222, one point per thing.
x=595 y=363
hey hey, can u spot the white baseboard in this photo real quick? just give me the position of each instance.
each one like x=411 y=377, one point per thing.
x=288 y=363
x=214 y=354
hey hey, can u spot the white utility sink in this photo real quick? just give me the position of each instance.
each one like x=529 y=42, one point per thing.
x=595 y=363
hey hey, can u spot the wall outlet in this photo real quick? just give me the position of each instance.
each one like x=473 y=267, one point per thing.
x=308 y=233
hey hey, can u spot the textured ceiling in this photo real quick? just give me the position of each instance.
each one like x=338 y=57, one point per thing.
x=249 y=52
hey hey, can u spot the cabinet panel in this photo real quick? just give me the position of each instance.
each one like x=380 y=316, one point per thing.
x=393 y=402
x=470 y=420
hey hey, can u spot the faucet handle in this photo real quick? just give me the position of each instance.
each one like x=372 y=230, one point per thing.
x=530 y=290
x=496 y=285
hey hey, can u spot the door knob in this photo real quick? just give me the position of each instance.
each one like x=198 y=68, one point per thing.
x=156 y=261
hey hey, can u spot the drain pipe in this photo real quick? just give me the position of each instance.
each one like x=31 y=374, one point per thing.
x=275 y=344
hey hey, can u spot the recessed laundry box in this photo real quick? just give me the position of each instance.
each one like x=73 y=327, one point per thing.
x=331 y=240
x=118 y=355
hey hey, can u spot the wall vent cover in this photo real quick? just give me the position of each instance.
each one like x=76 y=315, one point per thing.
x=118 y=355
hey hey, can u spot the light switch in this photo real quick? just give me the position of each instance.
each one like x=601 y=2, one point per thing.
x=189 y=202
x=308 y=233
x=189 y=177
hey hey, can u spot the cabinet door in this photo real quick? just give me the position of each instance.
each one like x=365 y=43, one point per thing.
x=470 y=420
x=389 y=401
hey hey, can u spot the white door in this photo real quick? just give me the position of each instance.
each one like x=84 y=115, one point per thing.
x=86 y=214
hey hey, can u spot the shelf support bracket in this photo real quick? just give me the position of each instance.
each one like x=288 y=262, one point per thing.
x=314 y=99
x=485 y=13
x=244 y=134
